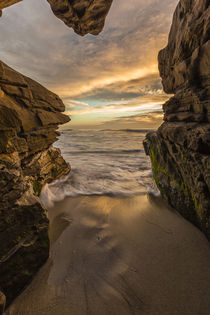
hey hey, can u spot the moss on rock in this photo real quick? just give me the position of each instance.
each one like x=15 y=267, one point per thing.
x=37 y=187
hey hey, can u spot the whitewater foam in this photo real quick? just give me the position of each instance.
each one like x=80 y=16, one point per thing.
x=103 y=162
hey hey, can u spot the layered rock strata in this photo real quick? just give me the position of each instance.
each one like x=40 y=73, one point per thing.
x=180 y=149
x=29 y=118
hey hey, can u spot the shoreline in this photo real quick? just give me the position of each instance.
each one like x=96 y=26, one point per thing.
x=114 y=255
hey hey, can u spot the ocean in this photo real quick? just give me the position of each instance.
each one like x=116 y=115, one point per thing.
x=114 y=247
x=103 y=162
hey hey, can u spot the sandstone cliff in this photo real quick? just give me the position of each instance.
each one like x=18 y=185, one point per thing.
x=29 y=117
x=180 y=149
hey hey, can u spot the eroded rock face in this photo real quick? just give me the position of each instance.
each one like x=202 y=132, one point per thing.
x=180 y=149
x=29 y=117
x=7 y=3
x=84 y=16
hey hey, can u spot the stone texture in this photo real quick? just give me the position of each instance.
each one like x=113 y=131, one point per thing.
x=84 y=16
x=180 y=149
x=29 y=118
x=7 y=3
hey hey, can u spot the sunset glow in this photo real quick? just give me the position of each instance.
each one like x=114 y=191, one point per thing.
x=111 y=80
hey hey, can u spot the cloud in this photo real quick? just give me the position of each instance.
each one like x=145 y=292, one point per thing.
x=117 y=68
x=138 y=121
x=70 y=103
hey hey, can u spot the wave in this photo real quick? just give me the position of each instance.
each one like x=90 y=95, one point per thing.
x=129 y=130
x=110 y=130
x=74 y=185
x=110 y=162
x=106 y=151
x=137 y=130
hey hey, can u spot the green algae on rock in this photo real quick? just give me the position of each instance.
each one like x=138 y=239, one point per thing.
x=180 y=149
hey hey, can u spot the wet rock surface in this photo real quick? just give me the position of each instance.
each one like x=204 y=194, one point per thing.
x=29 y=118
x=180 y=149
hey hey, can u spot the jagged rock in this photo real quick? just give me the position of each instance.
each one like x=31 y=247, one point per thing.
x=84 y=16
x=7 y=3
x=180 y=149
x=29 y=118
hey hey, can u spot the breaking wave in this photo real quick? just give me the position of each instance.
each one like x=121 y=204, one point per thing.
x=102 y=162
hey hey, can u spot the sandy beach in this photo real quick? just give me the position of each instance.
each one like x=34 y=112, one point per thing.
x=130 y=255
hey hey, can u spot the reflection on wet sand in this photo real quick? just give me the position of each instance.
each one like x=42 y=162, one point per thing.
x=130 y=255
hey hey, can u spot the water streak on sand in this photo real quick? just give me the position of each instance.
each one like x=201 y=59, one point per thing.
x=112 y=256
x=126 y=254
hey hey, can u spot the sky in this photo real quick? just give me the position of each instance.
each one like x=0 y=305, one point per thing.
x=109 y=81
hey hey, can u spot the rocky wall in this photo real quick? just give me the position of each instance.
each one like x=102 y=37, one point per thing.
x=180 y=149
x=29 y=118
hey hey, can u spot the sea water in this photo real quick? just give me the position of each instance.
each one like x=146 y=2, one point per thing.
x=103 y=162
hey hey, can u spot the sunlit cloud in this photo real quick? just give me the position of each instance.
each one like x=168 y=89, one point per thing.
x=98 y=78
x=68 y=91
x=150 y=107
x=70 y=103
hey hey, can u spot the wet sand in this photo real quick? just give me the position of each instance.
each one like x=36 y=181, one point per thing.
x=116 y=256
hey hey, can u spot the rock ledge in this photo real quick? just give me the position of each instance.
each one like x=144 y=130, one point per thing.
x=29 y=118
x=180 y=149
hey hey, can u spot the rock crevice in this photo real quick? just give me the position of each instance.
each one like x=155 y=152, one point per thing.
x=29 y=118
x=180 y=149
